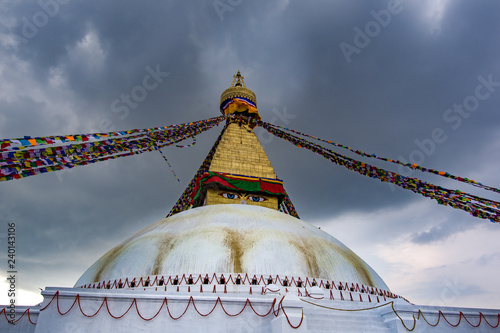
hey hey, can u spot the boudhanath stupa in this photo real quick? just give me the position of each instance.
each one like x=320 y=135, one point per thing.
x=233 y=256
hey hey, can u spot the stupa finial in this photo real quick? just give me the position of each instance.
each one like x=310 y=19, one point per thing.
x=238 y=98
x=239 y=80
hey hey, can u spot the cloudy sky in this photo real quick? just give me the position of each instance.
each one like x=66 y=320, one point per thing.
x=378 y=76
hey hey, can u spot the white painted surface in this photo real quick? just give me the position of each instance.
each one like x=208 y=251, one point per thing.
x=324 y=315
x=233 y=238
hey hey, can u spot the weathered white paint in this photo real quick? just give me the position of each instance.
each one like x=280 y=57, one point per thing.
x=237 y=239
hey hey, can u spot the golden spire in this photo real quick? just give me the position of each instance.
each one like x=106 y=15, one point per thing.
x=240 y=158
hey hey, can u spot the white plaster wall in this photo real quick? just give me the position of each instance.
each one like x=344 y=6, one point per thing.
x=316 y=313
x=21 y=326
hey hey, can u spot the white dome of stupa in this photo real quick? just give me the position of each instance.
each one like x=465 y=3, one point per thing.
x=232 y=239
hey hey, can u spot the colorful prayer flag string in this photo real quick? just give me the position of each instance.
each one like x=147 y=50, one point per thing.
x=27 y=141
x=475 y=205
x=171 y=169
x=287 y=206
x=165 y=158
x=33 y=156
x=410 y=165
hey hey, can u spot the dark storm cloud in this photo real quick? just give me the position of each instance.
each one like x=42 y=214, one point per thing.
x=78 y=68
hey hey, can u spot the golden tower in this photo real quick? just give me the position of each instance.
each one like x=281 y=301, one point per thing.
x=240 y=171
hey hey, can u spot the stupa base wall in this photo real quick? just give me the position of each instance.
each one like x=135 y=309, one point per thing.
x=18 y=319
x=271 y=310
x=405 y=317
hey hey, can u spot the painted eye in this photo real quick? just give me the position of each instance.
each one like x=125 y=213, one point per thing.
x=256 y=199
x=230 y=195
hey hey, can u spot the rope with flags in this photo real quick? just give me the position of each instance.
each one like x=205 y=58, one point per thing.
x=410 y=165
x=287 y=207
x=31 y=156
x=475 y=205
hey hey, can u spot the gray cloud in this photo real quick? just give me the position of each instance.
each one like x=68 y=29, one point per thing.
x=440 y=232
x=65 y=78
